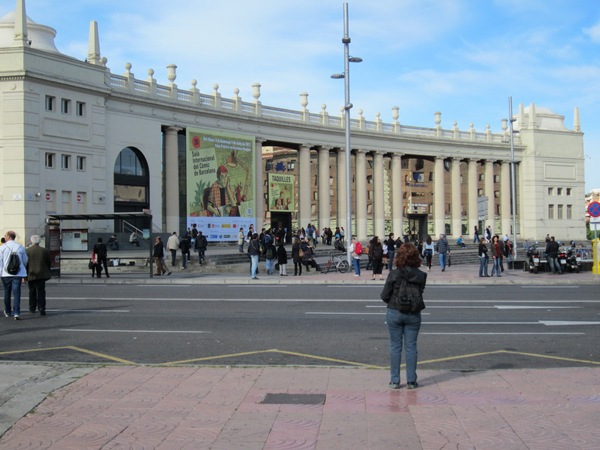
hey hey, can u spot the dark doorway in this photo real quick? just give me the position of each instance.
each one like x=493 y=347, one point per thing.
x=282 y=220
x=417 y=225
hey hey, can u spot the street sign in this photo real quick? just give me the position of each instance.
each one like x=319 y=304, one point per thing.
x=594 y=209
x=594 y=219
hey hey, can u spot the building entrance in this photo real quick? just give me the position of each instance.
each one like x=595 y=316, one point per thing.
x=417 y=227
x=282 y=220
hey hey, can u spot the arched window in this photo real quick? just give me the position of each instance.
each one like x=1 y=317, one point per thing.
x=129 y=163
x=131 y=184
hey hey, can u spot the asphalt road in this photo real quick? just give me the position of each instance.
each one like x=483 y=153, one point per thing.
x=464 y=327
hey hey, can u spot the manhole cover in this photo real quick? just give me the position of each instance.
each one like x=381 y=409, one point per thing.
x=294 y=399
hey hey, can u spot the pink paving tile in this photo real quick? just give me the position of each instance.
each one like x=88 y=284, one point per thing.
x=248 y=427
x=392 y=431
x=345 y=401
x=91 y=435
x=390 y=401
x=343 y=431
x=438 y=427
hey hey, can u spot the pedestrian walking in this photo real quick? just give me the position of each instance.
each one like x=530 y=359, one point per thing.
x=201 y=245
x=12 y=271
x=429 y=250
x=391 y=250
x=475 y=234
x=38 y=267
x=270 y=253
x=356 y=251
x=172 y=246
x=443 y=249
x=100 y=255
x=241 y=237
x=254 y=252
x=185 y=246
x=159 y=255
x=405 y=282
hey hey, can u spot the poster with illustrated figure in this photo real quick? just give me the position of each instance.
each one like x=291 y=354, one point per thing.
x=220 y=183
x=281 y=192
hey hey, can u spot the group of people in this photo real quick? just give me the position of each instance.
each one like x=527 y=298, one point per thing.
x=498 y=249
x=192 y=239
x=18 y=265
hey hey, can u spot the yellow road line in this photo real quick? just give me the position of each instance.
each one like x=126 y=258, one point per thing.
x=272 y=351
x=551 y=357
x=101 y=355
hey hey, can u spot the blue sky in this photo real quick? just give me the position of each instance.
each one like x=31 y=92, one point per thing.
x=461 y=57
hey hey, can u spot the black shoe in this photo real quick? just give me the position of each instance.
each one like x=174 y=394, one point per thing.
x=395 y=385
x=412 y=385
x=107 y=276
x=32 y=311
x=17 y=318
x=42 y=313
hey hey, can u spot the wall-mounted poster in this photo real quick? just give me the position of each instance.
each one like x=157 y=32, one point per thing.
x=220 y=183
x=281 y=192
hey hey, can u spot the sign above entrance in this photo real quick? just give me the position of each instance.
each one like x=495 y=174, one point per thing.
x=281 y=192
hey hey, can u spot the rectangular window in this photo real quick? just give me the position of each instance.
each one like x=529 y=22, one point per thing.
x=550 y=191
x=568 y=191
x=50 y=160
x=430 y=176
x=569 y=212
x=550 y=211
x=481 y=177
x=479 y=192
x=559 y=191
x=496 y=194
x=80 y=109
x=559 y=212
x=50 y=103
x=65 y=162
x=496 y=178
x=81 y=163
x=65 y=106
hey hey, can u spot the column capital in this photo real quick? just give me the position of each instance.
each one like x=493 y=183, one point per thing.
x=173 y=129
x=260 y=140
x=324 y=147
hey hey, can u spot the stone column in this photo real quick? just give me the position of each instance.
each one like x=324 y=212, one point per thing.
x=378 y=196
x=489 y=192
x=304 y=186
x=439 y=197
x=171 y=197
x=505 y=198
x=456 y=203
x=259 y=185
x=324 y=197
x=342 y=189
x=360 y=183
x=472 y=192
x=397 y=209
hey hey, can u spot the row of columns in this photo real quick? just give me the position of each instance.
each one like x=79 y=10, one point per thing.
x=360 y=190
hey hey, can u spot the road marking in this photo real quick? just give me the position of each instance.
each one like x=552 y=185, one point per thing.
x=89 y=310
x=487 y=307
x=500 y=334
x=132 y=331
x=545 y=286
x=534 y=307
x=101 y=355
x=568 y=322
x=508 y=352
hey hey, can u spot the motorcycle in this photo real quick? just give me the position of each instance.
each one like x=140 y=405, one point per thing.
x=573 y=260
x=532 y=263
x=562 y=259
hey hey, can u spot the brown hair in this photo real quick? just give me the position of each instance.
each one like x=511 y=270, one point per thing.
x=407 y=255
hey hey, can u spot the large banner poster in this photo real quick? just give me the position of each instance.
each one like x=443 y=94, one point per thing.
x=220 y=183
x=281 y=192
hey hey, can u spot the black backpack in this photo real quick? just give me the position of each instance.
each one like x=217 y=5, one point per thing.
x=14 y=264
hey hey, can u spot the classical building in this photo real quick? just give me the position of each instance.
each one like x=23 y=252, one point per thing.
x=77 y=138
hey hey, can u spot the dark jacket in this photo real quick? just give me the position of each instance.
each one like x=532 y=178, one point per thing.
x=296 y=253
x=185 y=245
x=100 y=250
x=552 y=249
x=159 y=250
x=416 y=280
x=281 y=255
x=482 y=249
x=495 y=251
x=442 y=245
x=200 y=242
x=38 y=263
x=254 y=247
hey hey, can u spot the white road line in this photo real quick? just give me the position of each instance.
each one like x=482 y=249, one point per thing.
x=534 y=307
x=569 y=322
x=132 y=331
x=501 y=334
x=488 y=307
x=90 y=310
x=545 y=286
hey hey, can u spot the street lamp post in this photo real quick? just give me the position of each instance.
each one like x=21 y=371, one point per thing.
x=347 y=106
x=513 y=183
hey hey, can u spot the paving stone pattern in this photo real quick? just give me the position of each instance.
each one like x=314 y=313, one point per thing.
x=133 y=407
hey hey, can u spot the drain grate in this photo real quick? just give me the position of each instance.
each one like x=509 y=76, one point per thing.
x=294 y=399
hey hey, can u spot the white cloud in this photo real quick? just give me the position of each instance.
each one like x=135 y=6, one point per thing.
x=593 y=33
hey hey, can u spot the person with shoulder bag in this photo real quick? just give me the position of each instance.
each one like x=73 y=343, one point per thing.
x=403 y=293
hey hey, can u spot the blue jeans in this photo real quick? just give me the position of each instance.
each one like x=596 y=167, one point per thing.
x=184 y=259
x=496 y=268
x=254 y=267
x=483 y=266
x=12 y=285
x=270 y=266
x=201 y=252
x=391 y=254
x=356 y=262
x=554 y=265
x=405 y=326
x=443 y=259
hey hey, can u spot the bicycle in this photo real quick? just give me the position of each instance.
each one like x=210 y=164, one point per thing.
x=335 y=263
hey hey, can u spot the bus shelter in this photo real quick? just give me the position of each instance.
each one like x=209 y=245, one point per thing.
x=53 y=232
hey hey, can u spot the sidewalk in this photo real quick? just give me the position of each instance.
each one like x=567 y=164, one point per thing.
x=224 y=408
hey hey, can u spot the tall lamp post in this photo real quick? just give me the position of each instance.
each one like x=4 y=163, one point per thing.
x=513 y=181
x=347 y=106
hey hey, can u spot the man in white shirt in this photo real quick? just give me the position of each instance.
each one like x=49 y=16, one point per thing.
x=12 y=282
x=173 y=245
